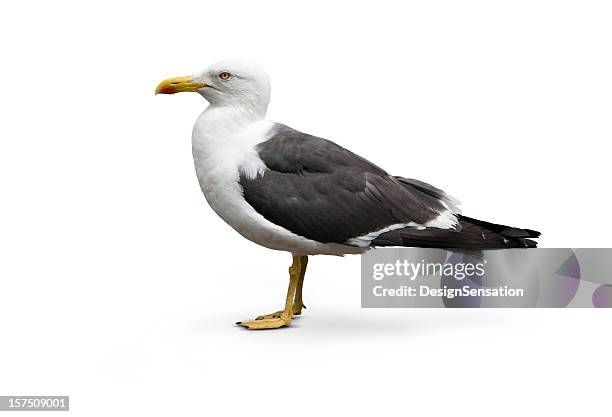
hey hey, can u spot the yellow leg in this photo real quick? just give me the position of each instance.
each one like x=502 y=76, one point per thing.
x=298 y=304
x=271 y=321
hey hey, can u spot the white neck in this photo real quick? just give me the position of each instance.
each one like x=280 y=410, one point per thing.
x=222 y=121
x=225 y=138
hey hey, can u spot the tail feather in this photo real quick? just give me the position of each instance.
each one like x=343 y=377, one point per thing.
x=472 y=234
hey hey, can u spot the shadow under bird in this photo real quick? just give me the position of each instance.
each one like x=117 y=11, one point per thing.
x=290 y=191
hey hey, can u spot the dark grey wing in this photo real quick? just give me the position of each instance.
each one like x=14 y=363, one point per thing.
x=321 y=191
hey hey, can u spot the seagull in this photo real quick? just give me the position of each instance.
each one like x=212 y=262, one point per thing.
x=294 y=192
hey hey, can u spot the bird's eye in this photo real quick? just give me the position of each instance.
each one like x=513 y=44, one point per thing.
x=224 y=75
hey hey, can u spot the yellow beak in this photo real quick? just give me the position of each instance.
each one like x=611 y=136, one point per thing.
x=179 y=85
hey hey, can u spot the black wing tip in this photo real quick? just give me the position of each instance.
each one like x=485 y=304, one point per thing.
x=516 y=232
x=474 y=234
x=533 y=233
x=507 y=231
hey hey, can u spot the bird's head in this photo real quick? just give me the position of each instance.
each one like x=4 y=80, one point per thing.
x=227 y=83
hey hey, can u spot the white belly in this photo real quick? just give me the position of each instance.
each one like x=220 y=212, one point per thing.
x=219 y=162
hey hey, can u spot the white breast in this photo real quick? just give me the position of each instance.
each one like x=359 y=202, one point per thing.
x=221 y=155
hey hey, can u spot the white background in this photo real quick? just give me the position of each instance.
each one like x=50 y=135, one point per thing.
x=120 y=286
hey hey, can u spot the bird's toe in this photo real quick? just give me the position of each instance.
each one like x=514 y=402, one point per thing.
x=266 y=323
